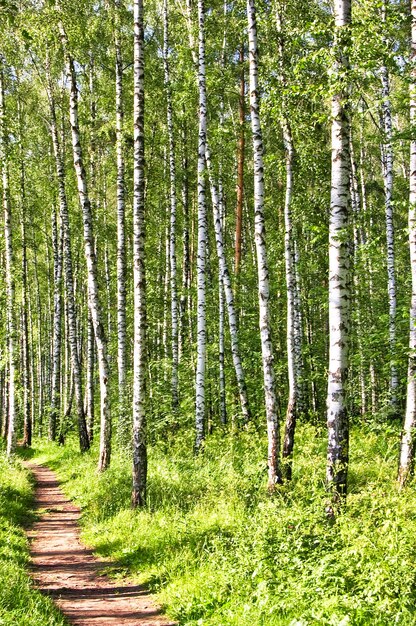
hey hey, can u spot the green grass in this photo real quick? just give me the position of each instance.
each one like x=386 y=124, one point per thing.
x=218 y=551
x=20 y=603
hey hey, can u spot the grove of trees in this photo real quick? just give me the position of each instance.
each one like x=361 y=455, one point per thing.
x=172 y=173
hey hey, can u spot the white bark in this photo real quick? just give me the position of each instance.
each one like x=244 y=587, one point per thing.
x=25 y=376
x=407 y=446
x=72 y=333
x=91 y=261
x=293 y=327
x=121 y=235
x=139 y=276
x=202 y=237
x=229 y=296
x=10 y=292
x=57 y=326
x=172 y=231
x=90 y=408
x=387 y=158
x=272 y=415
x=339 y=289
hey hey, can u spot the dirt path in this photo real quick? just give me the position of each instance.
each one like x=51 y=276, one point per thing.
x=64 y=569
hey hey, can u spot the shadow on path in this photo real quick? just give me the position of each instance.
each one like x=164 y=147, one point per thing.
x=70 y=574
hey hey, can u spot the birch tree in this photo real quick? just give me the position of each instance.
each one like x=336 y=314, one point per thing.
x=173 y=203
x=293 y=329
x=139 y=276
x=91 y=260
x=202 y=237
x=121 y=236
x=339 y=288
x=72 y=333
x=387 y=160
x=407 y=444
x=57 y=327
x=10 y=288
x=272 y=411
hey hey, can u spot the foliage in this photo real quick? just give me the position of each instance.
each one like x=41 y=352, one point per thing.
x=219 y=552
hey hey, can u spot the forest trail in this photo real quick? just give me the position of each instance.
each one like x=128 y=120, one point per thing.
x=68 y=572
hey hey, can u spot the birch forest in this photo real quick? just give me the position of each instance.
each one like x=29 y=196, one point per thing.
x=208 y=305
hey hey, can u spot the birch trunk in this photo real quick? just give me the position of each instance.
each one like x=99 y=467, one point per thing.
x=27 y=416
x=229 y=297
x=202 y=238
x=57 y=328
x=387 y=159
x=173 y=203
x=69 y=280
x=293 y=339
x=91 y=261
x=140 y=344
x=240 y=172
x=10 y=293
x=407 y=445
x=185 y=318
x=221 y=320
x=272 y=413
x=121 y=236
x=339 y=288
x=90 y=404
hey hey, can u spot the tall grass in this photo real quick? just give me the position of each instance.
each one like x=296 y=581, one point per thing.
x=219 y=551
x=20 y=603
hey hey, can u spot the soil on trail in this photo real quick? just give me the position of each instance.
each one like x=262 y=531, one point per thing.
x=67 y=571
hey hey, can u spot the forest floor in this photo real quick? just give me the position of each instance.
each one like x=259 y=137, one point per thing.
x=69 y=573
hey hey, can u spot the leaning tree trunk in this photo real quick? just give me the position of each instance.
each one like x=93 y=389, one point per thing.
x=69 y=280
x=202 y=238
x=272 y=411
x=407 y=446
x=91 y=261
x=10 y=295
x=339 y=287
x=172 y=230
x=121 y=239
x=139 y=275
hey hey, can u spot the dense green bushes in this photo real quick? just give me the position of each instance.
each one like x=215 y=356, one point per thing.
x=20 y=603
x=220 y=552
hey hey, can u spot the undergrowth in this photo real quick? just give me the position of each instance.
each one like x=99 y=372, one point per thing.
x=219 y=552
x=20 y=603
